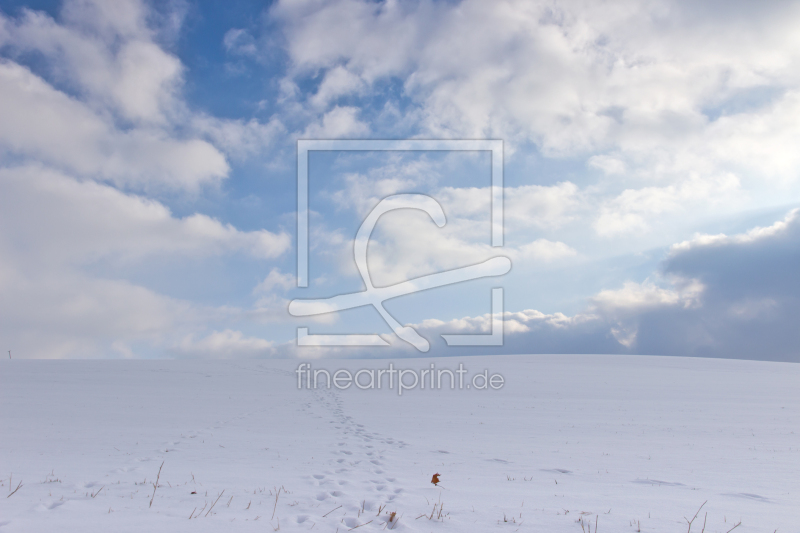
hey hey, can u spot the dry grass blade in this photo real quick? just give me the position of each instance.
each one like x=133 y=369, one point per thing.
x=15 y=490
x=329 y=512
x=155 y=485
x=693 y=518
x=215 y=502
x=277 y=493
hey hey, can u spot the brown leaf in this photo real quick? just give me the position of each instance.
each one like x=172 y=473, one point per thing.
x=435 y=479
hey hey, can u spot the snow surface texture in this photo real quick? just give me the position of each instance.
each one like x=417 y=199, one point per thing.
x=571 y=442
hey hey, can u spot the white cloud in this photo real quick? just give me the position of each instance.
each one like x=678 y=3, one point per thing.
x=396 y=251
x=525 y=206
x=239 y=41
x=108 y=104
x=545 y=250
x=226 y=344
x=623 y=308
x=754 y=235
x=515 y=324
x=634 y=209
x=338 y=123
x=64 y=220
x=100 y=114
x=609 y=164
x=362 y=192
x=54 y=312
x=321 y=34
x=54 y=229
x=275 y=279
x=108 y=54
x=338 y=81
x=40 y=122
x=239 y=139
x=542 y=206
x=661 y=96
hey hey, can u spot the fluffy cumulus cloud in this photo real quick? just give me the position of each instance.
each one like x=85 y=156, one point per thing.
x=91 y=134
x=72 y=222
x=677 y=105
x=565 y=74
x=56 y=228
x=338 y=123
x=43 y=123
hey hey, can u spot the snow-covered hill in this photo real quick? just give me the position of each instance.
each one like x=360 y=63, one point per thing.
x=569 y=443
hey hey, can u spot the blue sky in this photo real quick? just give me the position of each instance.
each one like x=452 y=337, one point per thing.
x=148 y=174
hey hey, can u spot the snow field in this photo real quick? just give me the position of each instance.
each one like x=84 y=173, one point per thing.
x=569 y=443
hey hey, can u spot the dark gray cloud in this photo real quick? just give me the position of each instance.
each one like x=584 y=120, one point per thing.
x=725 y=296
x=750 y=307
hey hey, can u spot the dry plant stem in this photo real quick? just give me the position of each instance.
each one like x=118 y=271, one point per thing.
x=433 y=512
x=98 y=492
x=15 y=490
x=693 y=518
x=329 y=512
x=704 y=523
x=277 y=493
x=358 y=526
x=193 y=510
x=155 y=485
x=734 y=527
x=215 y=502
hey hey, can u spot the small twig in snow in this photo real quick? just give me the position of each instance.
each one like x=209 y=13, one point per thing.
x=215 y=502
x=329 y=512
x=277 y=493
x=695 y=516
x=155 y=485
x=15 y=490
